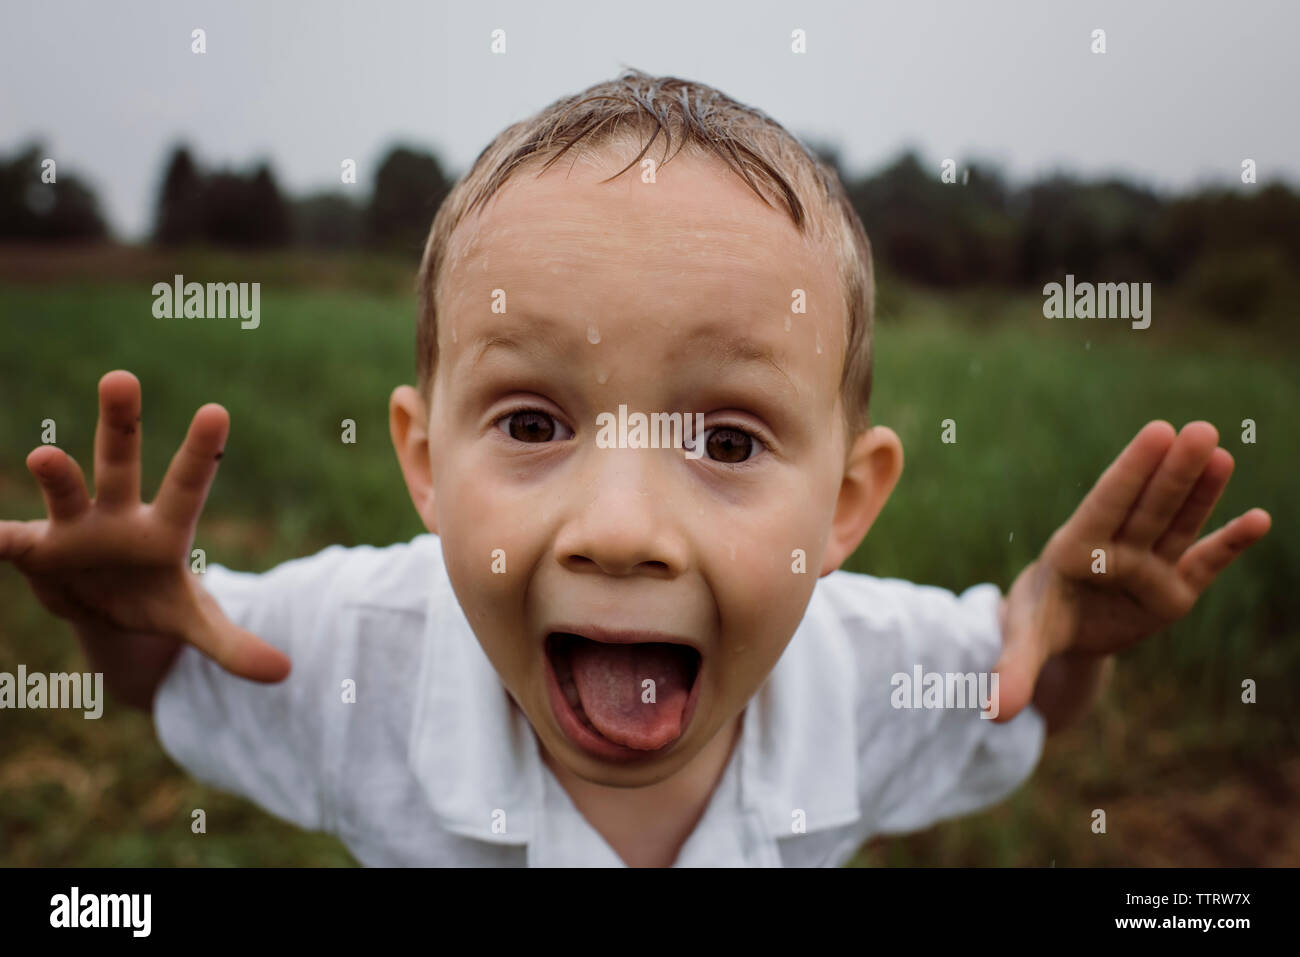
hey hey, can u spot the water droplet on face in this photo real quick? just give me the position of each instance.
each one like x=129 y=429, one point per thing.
x=453 y=333
x=602 y=376
x=787 y=323
x=593 y=334
x=818 y=339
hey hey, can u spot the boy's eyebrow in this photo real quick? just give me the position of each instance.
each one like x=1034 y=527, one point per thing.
x=720 y=344
x=726 y=347
x=540 y=330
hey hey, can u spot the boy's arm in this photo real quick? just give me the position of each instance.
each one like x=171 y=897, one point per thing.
x=926 y=752
x=270 y=743
x=116 y=568
x=1123 y=567
x=1068 y=688
x=133 y=665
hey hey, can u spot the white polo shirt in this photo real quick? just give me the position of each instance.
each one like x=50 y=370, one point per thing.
x=433 y=764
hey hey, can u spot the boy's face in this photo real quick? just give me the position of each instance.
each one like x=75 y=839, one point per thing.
x=671 y=296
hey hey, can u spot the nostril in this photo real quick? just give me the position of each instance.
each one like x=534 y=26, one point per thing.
x=654 y=568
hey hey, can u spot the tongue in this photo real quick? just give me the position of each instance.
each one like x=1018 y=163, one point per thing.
x=610 y=681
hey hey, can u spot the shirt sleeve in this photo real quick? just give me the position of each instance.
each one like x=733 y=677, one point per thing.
x=920 y=764
x=264 y=742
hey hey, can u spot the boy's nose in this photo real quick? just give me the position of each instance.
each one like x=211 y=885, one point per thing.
x=620 y=517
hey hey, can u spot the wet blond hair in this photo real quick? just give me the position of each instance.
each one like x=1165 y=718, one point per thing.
x=774 y=164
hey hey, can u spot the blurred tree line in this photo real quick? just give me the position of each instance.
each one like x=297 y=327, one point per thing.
x=32 y=208
x=230 y=209
x=1237 y=249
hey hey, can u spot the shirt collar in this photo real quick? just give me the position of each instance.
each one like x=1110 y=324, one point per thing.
x=476 y=757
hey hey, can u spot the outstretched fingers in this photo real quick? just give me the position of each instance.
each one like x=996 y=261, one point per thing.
x=1103 y=510
x=18 y=538
x=185 y=487
x=1172 y=484
x=117 y=440
x=62 y=484
x=1203 y=562
x=1189 y=521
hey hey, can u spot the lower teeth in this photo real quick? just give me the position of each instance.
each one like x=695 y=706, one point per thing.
x=565 y=678
x=582 y=716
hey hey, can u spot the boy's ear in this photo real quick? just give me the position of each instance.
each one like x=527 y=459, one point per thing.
x=408 y=424
x=874 y=463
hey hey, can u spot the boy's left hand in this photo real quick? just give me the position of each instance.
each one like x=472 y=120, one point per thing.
x=1138 y=523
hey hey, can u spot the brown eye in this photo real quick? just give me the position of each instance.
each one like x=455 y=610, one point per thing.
x=529 y=425
x=729 y=446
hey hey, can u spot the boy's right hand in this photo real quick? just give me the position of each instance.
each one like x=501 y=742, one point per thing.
x=118 y=569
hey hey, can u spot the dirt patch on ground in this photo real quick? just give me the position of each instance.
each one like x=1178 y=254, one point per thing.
x=29 y=262
x=284 y=267
x=1251 y=820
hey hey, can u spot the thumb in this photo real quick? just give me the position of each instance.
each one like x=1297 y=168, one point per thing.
x=1023 y=657
x=235 y=649
x=244 y=654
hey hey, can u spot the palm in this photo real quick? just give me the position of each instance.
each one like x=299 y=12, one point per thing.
x=138 y=593
x=1106 y=619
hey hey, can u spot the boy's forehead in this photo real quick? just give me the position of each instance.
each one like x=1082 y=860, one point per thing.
x=694 y=242
x=695 y=219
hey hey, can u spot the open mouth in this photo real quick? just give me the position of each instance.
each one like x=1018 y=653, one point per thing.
x=621 y=701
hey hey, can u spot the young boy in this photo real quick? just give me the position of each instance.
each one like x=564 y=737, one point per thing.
x=610 y=649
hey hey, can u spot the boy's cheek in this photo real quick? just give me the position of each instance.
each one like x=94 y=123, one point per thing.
x=476 y=528
x=761 y=572
x=485 y=573
x=763 y=609
x=485 y=560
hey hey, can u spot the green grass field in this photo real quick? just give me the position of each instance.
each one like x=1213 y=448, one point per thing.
x=1187 y=773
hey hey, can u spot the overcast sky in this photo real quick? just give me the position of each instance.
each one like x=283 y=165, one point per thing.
x=1185 y=91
